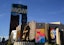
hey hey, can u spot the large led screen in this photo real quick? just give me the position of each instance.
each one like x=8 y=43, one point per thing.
x=40 y=36
x=53 y=34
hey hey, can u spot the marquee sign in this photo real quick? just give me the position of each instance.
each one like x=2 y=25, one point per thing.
x=40 y=33
x=17 y=10
x=20 y=9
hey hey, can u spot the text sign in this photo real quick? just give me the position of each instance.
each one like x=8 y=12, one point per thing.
x=21 y=9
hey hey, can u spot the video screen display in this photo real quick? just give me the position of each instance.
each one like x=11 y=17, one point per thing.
x=40 y=36
x=53 y=34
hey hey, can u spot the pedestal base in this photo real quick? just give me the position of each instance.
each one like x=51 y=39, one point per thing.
x=24 y=43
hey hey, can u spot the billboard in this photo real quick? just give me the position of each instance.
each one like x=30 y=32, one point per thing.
x=16 y=10
x=20 y=9
x=52 y=33
x=40 y=33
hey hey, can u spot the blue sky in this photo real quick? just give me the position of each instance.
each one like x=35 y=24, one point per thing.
x=38 y=10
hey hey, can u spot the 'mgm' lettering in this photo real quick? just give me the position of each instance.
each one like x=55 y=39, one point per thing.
x=19 y=10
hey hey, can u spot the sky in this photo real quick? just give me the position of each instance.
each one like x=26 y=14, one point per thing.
x=38 y=10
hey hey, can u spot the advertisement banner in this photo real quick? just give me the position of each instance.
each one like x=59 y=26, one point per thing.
x=20 y=9
x=40 y=36
x=53 y=34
